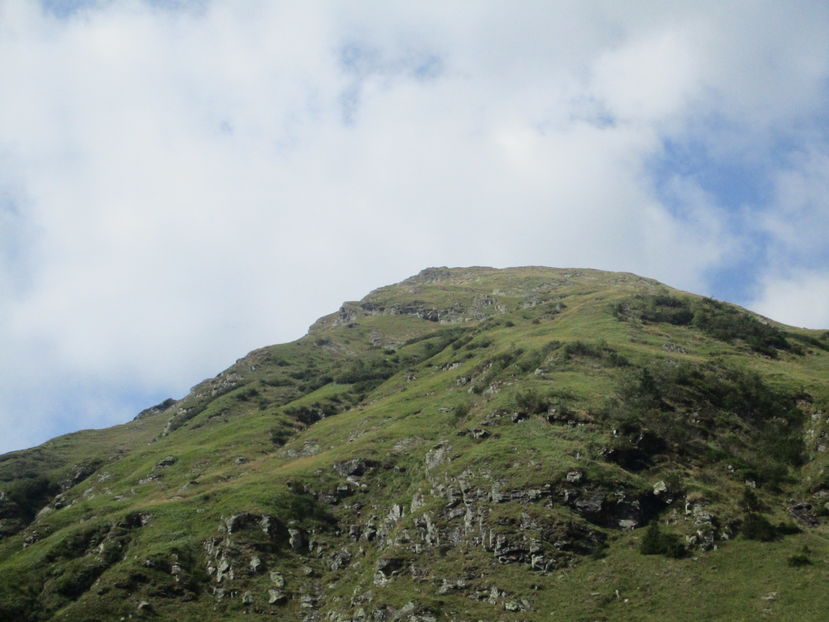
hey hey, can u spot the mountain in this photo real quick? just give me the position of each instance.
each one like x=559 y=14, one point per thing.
x=468 y=444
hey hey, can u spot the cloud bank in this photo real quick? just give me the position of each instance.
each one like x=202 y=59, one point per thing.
x=181 y=183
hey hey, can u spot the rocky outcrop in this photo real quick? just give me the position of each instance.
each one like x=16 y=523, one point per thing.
x=157 y=409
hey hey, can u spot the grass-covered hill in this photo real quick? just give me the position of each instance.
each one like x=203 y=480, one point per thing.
x=469 y=444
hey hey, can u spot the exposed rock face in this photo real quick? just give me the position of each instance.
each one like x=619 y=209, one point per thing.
x=158 y=408
x=355 y=467
x=248 y=540
x=438 y=455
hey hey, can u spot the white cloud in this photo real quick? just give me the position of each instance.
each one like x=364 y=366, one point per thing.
x=190 y=185
x=798 y=219
x=798 y=300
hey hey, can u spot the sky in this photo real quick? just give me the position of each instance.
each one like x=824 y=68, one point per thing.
x=183 y=182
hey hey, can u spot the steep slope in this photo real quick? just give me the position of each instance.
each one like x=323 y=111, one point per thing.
x=469 y=444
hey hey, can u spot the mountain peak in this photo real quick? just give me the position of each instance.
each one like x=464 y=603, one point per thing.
x=469 y=443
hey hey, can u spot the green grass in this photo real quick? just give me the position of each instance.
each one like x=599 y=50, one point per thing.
x=395 y=389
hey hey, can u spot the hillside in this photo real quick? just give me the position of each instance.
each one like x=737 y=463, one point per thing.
x=469 y=444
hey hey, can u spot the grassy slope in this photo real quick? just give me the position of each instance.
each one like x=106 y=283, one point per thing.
x=227 y=462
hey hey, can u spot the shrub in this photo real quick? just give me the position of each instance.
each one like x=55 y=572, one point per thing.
x=246 y=394
x=460 y=411
x=787 y=529
x=599 y=351
x=749 y=501
x=312 y=413
x=757 y=527
x=31 y=495
x=655 y=542
x=280 y=436
x=362 y=370
x=530 y=402
x=801 y=559
x=530 y=361
x=580 y=348
x=716 y=319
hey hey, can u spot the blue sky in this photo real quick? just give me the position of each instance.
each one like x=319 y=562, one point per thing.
x=183 y=182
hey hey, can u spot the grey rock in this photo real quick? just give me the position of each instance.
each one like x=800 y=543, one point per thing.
x=437 y=455
x=591 y=503
x=451 y=586
x=355 y=467
x=276 y=597
x=243 y=520
x=166 y=461
x=255 y=564
x=396 y=513
x=495 y=595
x=387 y=568
x=340 y=559
x=803 y=512
x=297 y=540
x=417 y=502
x=574 y=477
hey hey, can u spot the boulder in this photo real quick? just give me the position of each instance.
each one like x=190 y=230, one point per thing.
x=354 y=467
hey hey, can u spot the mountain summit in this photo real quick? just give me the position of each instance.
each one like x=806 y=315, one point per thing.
x=468 y=444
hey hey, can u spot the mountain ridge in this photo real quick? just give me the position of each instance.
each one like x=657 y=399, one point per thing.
x=455 y=446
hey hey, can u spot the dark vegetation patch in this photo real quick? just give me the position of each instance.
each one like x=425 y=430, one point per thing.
x=69 y=569
x=445 y=336
x=822 y=343
x=801 y=559
x=313 y=412
x=599 y=351
x=299 y=505
x=30 y=495
x=714 y=318
x=706 y=413
x=510 y=361
x=293 y=381
x=367 y=374
x=657 y=542
x=757 y=527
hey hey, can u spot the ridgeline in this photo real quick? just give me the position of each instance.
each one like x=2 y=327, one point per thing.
x=469 y=444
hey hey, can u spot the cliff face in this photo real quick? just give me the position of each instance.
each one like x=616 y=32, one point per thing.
x=469 y=444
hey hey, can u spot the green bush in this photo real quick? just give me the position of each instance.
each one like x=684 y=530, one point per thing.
x=801 y=559
x=716 y=319
x=362 y=370
x=749 y=501
x=313 y=412
x=280 y=436
x=460 y=411
x=530 y=361
x=30 y=495
x=530 y=402
x=655 y=542
x=600 y=351
x=757 y=527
